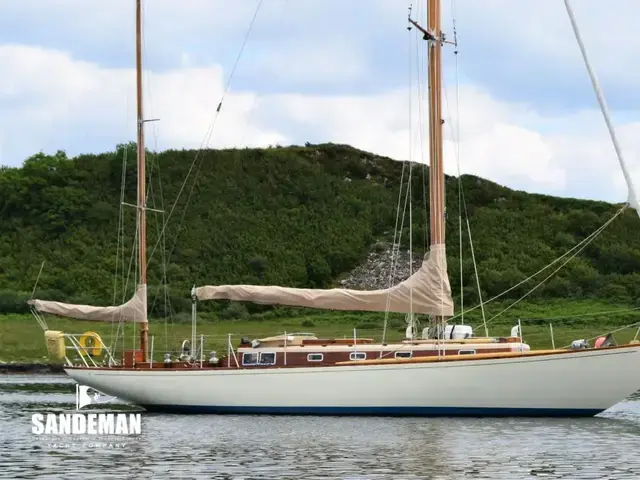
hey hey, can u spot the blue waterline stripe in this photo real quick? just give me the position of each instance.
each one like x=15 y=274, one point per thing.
x=380 y=411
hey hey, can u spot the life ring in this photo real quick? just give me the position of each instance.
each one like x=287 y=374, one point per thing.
x=91 y=343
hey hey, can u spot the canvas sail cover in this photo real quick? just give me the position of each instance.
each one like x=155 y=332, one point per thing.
x=427 y=291
x=135 y=310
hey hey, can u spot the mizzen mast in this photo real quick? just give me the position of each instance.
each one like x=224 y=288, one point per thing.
x=141 y=203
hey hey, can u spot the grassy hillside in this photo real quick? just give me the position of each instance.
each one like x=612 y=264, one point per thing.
x=298 y=216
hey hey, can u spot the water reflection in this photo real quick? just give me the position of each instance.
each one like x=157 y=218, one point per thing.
x=271 y=447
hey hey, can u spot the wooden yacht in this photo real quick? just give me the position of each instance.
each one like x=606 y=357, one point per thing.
x=453 y=373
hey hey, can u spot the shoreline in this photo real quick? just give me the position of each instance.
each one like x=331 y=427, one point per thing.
x=31 y=368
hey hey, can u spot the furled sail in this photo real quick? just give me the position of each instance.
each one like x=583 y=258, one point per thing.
x=135 y=310
x=427 y=291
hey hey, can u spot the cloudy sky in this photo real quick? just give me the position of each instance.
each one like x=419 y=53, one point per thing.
x=330 y=70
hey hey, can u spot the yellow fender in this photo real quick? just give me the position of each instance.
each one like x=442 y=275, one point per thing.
x=92 y=343
x=54 y=340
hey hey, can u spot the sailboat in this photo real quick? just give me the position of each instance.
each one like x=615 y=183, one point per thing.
x=448 y=371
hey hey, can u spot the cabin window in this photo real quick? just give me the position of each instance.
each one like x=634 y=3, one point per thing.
x=404 y=354
x=250 y=358
x=357 y=356
x=466 y=352
x=267 y=358
x=315 y=357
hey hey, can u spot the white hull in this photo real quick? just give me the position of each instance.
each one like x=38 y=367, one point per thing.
x=581 y=383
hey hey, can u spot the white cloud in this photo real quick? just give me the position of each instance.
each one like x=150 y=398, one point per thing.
x=59 y=103
x=513 y=48
x=51 y=101
x=540 y=34
x=512 y=155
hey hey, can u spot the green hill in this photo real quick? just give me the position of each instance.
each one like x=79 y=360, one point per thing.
x=297 y=216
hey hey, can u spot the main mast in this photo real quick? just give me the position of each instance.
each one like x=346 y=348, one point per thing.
x=141 y=204
x=436 y=169
x=435 y=38
x=433 y=34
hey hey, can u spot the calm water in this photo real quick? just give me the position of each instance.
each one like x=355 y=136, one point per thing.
x=264 y=447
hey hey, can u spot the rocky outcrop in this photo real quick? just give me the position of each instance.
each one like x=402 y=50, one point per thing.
x=375 y=271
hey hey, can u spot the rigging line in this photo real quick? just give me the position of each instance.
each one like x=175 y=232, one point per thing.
x=460 y=250
x=152 y=196
x=396 y=251
x=397 y=234
x=164 y=280
x=457 y=153
x=463 y=206
x=167 y=300
x=154 y=162
x=120 y=224
x=475 y=266
x=132 y=263
x=207 y=138
x=254 y=100
x=586 y=239
x=410 y=195
x=421 y=94
x=560 y=267
x=244 y=44
x=120 y=232
x=162 y=287
x=475 y=270
x=461 y=194
x=421 y=66
x=120 y=243
x=421 y=91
